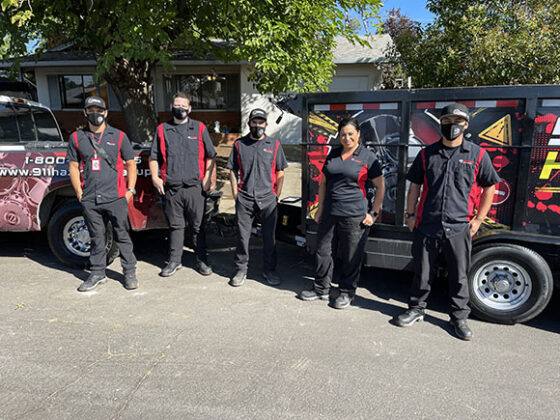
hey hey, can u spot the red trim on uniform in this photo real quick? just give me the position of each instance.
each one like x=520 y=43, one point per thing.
x=75 y=136
x=476 y=190
x=273 y=167
x=507 y=103
x=362 y=178
x=338 y=107
x=420 y=209
x=163 y=150
x=241 y=178
x=201 y=154
x=121 y=181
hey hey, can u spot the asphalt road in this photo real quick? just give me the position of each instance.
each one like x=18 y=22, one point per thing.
x=193 y=347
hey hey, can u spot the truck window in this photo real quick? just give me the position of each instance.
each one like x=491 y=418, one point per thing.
x=47 y=129
x=8 y=125
x=26 y=126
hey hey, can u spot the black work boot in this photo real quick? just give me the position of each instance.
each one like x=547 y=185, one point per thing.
x=238 y=279
x=271 y=278
x=92 y=282
x=203 y=268
x=343 y=300
x=409 y=317
x=310 y=295
x=170 y=269
x=130 y=280
x=462 y=329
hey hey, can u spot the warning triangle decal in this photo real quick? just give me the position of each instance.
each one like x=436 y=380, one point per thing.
x=499 y=132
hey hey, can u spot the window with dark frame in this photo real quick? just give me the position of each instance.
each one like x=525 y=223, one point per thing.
x=75 y=88
x=208 y=92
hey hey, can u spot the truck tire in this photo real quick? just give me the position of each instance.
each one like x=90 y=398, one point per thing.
x=69 y=238
x=508 y=283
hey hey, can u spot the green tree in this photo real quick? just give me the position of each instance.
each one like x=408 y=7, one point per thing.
x=483 y=42
x=289 y=42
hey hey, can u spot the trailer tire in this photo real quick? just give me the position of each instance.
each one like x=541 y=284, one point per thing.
x=68 y=237
x=508 y=283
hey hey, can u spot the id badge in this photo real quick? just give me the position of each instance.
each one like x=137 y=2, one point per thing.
x=95 y=164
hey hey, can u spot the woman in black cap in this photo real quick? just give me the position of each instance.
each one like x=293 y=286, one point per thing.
x=343 y=211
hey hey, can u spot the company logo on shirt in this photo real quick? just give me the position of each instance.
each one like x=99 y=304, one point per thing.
x=267 y=150
x=110 y=144
x=356 y=160
x=466 y=162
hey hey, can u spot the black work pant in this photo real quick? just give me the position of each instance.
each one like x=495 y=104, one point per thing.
x=246 y=211
x=427 y=252
x=96 y=216
x=180 y=205
x=351 y=237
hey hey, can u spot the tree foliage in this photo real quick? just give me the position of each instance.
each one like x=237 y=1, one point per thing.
x=482 y=42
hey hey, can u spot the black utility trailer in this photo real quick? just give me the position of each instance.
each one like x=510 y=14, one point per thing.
x=516 y=254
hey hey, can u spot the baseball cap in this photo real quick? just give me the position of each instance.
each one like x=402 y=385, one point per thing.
x=95 y=101
x=257 y=113
x=455 y=109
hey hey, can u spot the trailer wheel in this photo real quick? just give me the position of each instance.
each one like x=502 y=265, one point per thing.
x=509 y=283
x=69 y=238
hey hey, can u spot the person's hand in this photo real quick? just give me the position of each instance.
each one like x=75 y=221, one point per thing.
x=158 y=184
x=79 y=196
x=474 y=225
x=368 y=220
x=128 y=195
x=411 y=222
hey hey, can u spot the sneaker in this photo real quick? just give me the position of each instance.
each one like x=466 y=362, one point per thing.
x=92 y=282
x=203 y=268
x=238 y=279
x=462 y=329
x=310 y=295
x=342 y=301
x=272 y=278
x=130 y=281
x=170 y=269
x=409 y=317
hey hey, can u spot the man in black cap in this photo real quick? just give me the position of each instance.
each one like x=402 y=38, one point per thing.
x=455 y=181
x=103 y=190
x=181 y=164
x=256 y=164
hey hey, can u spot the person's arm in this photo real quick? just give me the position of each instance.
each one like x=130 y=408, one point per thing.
x=210 y=157
x=74 y=170
x=281 y=164
x=411 y=203
x=279 y=182
x=207 y=184
x=379 y=184
x=131 y=176
x=233 y=182
x=486 y=200
x=487 y=178
x=320 y=204
x=127 y=154
x=416 y=177
x=154 y=165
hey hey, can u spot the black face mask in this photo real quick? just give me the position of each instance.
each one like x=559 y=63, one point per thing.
x=451 y=131
x=179 y=113
x=95 y=118
x=256 y=132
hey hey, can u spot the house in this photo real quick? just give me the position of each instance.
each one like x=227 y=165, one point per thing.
x=222 y=94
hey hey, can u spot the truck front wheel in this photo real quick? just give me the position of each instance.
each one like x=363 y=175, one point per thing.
x=69 y=238
x=509 y=283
